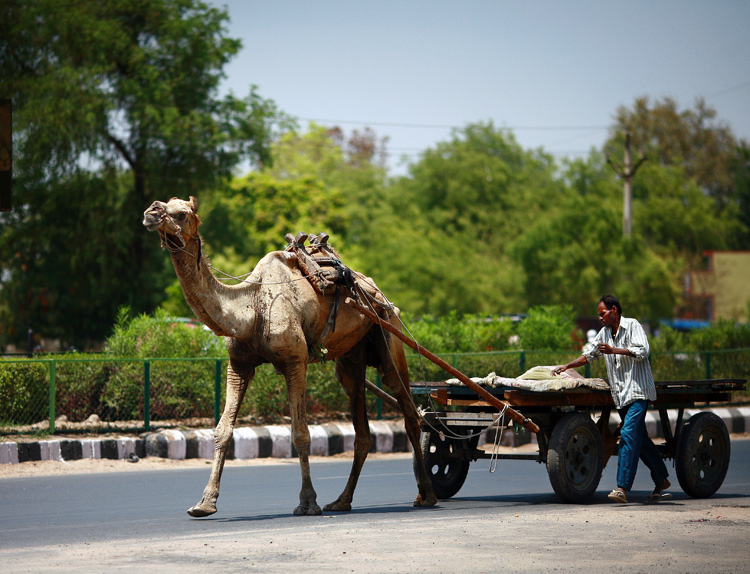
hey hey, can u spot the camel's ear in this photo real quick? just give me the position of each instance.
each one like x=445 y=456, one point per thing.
x=194 y=204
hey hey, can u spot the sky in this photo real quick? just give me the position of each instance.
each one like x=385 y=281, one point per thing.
x=553 y=72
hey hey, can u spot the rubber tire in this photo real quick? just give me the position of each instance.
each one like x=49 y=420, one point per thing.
x=702 y=457
x=446 y=473
x=575 y=458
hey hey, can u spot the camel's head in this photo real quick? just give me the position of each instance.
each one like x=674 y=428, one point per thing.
x=176 y=221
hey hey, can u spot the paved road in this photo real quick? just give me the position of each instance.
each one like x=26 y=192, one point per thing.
x=506 y=521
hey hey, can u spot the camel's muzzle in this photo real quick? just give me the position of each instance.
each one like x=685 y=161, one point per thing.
x=154 y=216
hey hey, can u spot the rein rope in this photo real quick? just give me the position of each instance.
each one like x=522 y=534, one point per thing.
x=166 y=244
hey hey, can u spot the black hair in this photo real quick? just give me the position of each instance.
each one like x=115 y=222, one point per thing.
x=611 y=301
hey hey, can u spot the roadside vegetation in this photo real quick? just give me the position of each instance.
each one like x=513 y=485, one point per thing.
x=182 y=359
x=123 y=108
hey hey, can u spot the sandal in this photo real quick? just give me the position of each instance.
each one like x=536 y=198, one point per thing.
x=658 y=497
x=617 y=496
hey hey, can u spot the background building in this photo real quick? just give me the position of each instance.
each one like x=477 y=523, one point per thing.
x=722 y=290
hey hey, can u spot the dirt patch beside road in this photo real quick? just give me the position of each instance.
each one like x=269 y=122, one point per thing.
x=55 y=467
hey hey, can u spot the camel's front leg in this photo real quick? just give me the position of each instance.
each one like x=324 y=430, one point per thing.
x=296 y=380
x=236 y=387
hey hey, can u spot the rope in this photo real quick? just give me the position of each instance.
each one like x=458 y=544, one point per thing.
x=227 y=276
x=498 y=438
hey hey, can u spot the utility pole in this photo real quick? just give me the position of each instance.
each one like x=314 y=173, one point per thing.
x=627 y=173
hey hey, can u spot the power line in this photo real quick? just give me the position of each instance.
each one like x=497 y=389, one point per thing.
x=448 y=127
x=728 y=90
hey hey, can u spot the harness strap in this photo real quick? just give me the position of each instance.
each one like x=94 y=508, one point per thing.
x=318 y=349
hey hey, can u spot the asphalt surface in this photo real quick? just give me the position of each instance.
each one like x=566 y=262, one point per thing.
x=509 y=521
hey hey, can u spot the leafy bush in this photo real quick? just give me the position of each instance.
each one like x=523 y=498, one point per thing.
x=266 y=396
x=720 y=335
x=178 y=388
x=112 y=385
x=549 y=328
x=182 y=389
x=24 y=393
x=159 y=335
x=79 y=387
x=454 y=333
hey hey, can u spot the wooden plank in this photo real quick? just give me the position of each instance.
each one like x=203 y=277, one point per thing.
x=440 y=396
x=671 y=400
x=520 y=399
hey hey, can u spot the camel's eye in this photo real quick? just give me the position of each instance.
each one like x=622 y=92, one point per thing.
x=181 y=216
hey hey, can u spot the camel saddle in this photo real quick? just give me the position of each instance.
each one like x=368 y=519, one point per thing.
x=320 y=263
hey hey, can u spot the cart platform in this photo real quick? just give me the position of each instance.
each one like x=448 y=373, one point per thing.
x=669 y=394
x=574 y=446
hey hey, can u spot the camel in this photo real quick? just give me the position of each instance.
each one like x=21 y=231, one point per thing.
x=280 y=315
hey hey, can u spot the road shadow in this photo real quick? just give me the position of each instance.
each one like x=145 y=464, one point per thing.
x=363 y=510
x=507 y=502
x=635 y=497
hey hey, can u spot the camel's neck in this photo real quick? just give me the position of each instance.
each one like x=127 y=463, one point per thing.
x=218 y=306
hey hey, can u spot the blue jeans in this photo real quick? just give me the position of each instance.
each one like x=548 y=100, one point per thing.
x=634 y=444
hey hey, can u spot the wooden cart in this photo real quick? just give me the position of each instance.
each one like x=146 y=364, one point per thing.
x=573 y=447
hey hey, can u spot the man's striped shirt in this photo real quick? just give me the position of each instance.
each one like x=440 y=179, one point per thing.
x=630 y=378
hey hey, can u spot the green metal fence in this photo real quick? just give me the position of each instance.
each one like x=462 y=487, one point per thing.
x=145 y=390
x=34 y=390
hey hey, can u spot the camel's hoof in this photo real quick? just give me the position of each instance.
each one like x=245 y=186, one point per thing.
x=430 y=501
x=337 y=507
x=199 y=511
x=308 y=510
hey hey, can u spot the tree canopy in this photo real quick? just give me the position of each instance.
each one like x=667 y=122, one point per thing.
x=115 y=105
x=694 y=140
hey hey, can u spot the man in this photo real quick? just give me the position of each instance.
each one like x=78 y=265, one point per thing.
x=624 y=345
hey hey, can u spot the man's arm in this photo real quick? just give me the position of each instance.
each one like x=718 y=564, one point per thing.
x=574 y=364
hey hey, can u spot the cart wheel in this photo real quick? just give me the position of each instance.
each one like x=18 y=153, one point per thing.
x=575 y=458
x=446 y=470
x=702 y=455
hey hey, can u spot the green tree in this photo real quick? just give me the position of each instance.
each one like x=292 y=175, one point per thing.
x=351 y=166
x=127 y=90
x=66 y=280
x=318 y=181
x=481 y=183
x=675 y=217
x=694 y=140
x=741 y=178
x=253 y=214
x=577 y=253
x=439 y=241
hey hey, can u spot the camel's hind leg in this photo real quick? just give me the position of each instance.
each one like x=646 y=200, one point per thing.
x=237 y=382
x=395 y=375
x=350 y=371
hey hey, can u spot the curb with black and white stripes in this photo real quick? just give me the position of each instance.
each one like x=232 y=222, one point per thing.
x=275 y=441
x=247 y=443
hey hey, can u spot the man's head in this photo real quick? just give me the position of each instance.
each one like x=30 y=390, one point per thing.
x=610 y=311
x=611 y=301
